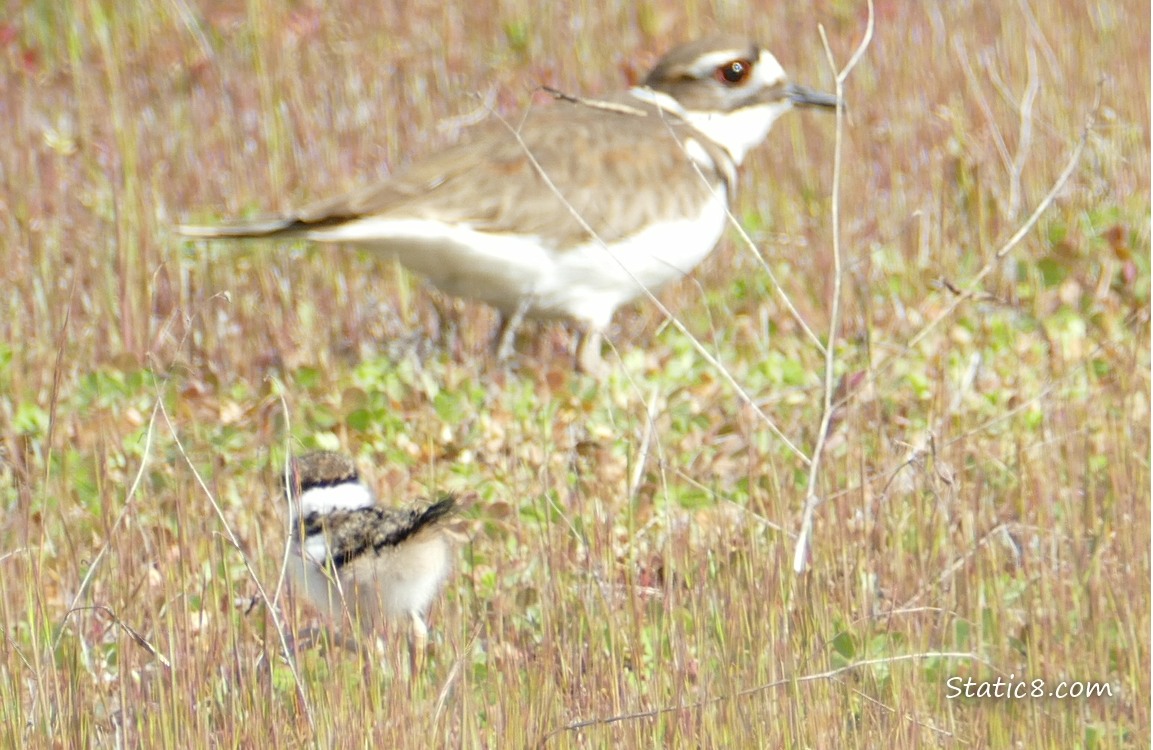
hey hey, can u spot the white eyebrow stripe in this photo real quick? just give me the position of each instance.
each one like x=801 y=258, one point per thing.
x=707 y=63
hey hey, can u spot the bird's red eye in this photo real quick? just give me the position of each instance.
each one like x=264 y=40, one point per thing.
x=734 y=72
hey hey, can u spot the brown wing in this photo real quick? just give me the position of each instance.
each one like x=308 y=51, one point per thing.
x=491 y=182
x=350 y=534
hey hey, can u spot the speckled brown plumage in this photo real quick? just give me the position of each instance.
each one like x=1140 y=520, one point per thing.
x=323 y=469
x=353 y=533
x=360 y=562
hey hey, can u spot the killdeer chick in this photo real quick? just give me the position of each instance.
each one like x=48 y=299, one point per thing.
x=352 y=558
x=650 y=172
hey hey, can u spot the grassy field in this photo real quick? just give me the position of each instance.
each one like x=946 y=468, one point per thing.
x=628 y=579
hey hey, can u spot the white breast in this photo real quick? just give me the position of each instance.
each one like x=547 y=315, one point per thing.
x=398 y=582
x=311 y=582
x=591 y=281
x=586 y=283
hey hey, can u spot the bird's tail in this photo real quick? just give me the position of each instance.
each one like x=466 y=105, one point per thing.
x=446 y=506
x=413 y=521
x=276 y=226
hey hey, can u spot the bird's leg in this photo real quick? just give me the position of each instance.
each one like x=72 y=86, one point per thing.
x=509 y=324
x=417 y=643
x=306 y=639
x=588 y=354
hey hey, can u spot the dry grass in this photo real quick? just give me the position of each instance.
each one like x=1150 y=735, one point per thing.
x=986 y=482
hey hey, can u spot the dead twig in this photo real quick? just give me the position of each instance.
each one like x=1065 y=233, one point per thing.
x=812 y=497
x=788 y=681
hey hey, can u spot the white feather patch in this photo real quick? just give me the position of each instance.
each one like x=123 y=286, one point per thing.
x=584 y=282
x=343 y=496
x=316 y=548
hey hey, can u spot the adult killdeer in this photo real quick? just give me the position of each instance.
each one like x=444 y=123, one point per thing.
x=581 y=207
x=356 y=560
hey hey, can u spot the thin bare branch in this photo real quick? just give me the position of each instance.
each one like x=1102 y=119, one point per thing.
x=134 y=634
x=812 y=497
x=786 y=682
x=230 y=535
x=971 y=289
x=128 y=505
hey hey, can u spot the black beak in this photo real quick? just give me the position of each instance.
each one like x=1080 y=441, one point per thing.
x=802 y=96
